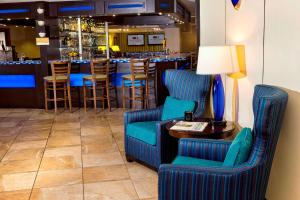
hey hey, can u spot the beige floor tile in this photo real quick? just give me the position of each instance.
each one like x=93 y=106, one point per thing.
x=92 y=160
x=19 y=181
x=95 y=130
x=24 y=154
x=30 y=136
x=67 y=132
x=68 y=192
x=60 y=162
x=60 y=141
x=137 y=171
x=29 y=144
x=63 y=151
x=97 y=139
x=119 y=128
x=58 y=178
x=17 y=166
x=65 y=125
x=146 y=187
x=110 y=190
x=15 y=195
x=105 y=173
x=9 y=124
x=99 y=147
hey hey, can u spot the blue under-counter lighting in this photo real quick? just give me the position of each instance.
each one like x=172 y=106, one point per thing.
x=32 y=62
x=12 y=11
x=17 y=81
x=76 y=8
x=120 y=6
x=76 y=80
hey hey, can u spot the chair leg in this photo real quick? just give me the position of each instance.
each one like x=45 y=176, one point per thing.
x=133 y=95
x=69 y=96
x=55 y=97
x=94 y=96
x=46 y=95
x=108 y=95
x=65 y=95
x=84 y=95
x=123 y=94
x=147 y=94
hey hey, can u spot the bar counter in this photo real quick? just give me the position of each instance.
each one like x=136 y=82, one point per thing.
x=21 y=82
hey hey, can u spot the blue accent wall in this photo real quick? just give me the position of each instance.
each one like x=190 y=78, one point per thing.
x=76 y=8
x=17 y=81
x=12 y=11
x=119 y=6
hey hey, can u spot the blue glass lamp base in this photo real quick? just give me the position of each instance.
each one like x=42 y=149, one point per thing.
x=218 y=96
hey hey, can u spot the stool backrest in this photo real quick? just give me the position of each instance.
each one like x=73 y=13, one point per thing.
x=152 y=71
x=139 y=66
x=100 y=66
x=60 y=68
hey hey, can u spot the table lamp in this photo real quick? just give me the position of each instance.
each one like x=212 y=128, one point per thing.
x=241 y=73
x=217 y=60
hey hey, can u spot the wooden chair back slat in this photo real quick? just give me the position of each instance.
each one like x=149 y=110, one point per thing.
x=139 y=66
x=60 y=68
x=100 y=67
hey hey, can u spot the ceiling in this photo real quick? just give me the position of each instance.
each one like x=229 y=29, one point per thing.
x=189 y=4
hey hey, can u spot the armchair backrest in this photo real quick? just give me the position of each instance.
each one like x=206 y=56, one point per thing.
x=187 y=85
x=269 y=105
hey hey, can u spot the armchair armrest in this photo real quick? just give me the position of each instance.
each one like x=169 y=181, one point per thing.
x=204 y=148
x=142 y=115
x=198 y=183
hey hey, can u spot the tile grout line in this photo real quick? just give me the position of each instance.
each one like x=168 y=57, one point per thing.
x=81 y=149
x=42 y=156
x=122 y=156
x=19 y=132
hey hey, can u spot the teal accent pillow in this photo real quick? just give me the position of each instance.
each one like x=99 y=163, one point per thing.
x=175 y=108
x=239 y=149
x=144 y=131
x=184 y=160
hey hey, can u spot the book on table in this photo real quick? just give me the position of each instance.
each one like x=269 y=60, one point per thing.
x=189 y=126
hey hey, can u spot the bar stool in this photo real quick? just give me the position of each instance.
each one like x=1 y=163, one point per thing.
x=138 y=79
x=99 y=77
x=152 y=81
x=193 y=62
x=59 y=81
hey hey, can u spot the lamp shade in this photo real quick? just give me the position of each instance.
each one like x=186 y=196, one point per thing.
x=217 y=60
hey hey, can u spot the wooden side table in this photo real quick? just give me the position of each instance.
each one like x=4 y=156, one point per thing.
x=210 y=131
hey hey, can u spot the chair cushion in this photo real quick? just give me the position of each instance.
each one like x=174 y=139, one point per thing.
x=144 y=131
x=175 y=108
x=59 y=78
x=96 y=76
x=184 y=160
x=239 y=149
x=137 y=76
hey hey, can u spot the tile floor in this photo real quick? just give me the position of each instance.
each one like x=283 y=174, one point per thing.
x=68 y=156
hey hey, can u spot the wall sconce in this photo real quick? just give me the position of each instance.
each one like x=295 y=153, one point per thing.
x=40 y=11
x=42 y=34
x=41 y=23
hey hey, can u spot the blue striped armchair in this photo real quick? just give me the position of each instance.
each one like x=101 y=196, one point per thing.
x=247 y=181
x=182 y=85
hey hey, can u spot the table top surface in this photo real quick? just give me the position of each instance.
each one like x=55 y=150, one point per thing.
x=210 y=131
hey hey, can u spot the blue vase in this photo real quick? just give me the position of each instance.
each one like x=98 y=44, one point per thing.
x=218 y=98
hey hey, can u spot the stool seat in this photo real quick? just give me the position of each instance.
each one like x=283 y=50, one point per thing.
x=58 y=78
x=96 y=76
x=137 y=76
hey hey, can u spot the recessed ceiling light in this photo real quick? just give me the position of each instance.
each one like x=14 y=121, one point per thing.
x=90 y=16
x=8 y=19
x=139 y=14
x=160 y=13
x=114 y=15
x=27 y=18
x=17 y=26
x=70 y=17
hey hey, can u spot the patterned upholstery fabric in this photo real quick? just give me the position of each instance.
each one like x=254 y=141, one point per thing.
x=243 y=182
x=188 y=86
